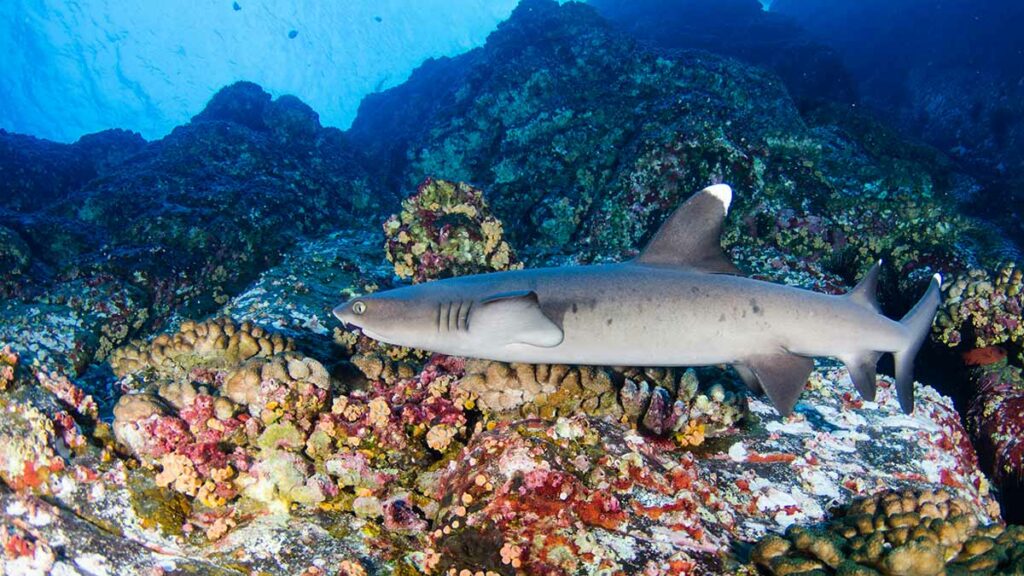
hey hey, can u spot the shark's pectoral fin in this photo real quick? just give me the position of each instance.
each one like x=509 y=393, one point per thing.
x=862 y=373
x=514 y=318
x=748 y=377
x=782 y=376
x=691 y=236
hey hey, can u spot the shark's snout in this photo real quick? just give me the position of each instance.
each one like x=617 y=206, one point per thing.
x=344 y=314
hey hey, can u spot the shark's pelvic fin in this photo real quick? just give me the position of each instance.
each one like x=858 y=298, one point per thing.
x=691 y=236
x=514 y=318
x=918 y=323
x=782 y=376
x=865 y=292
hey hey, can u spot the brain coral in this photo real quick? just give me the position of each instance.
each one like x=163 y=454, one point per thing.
x=216 y=342
x=909 y=532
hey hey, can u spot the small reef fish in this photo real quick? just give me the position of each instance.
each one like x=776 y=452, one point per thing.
x=681 y=302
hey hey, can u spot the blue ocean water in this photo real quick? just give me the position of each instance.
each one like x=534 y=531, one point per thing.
x=187 y=190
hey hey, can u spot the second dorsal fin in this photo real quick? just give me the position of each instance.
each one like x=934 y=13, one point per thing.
x=865 y=292
x=691 y=236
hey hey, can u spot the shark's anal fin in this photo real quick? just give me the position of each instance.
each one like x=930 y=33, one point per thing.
x=862 y=372
x=514 y=318
x=691 y=236
x=782 y=376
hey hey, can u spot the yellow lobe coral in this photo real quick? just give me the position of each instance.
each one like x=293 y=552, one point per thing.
x=445 y=229
x=177 y=472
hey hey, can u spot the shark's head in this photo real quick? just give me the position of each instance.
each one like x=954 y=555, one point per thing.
x=394 y=317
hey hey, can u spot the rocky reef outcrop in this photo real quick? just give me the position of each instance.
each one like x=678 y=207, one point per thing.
x=742 y=29
x=175 y=392
x=180 y=225
x=584 y=141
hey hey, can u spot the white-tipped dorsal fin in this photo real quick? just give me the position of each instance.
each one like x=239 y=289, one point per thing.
x=865 y=292
x=691 y=236
x=723 y=192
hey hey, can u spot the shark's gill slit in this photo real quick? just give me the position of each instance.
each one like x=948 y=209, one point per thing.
x=465 y=320
x=439 y=316
x=458 y=316
x=448 y=317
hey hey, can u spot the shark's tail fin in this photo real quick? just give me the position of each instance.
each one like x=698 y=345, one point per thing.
x=918 y=323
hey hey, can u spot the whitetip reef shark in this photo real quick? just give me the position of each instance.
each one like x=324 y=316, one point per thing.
x=681 y=302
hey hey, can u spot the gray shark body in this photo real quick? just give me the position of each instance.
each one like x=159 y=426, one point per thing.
x=680 y=303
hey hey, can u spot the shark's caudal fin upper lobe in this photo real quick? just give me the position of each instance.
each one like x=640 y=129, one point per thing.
x=918 y=323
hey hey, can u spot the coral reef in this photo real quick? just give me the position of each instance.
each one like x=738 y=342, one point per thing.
x=518 y=390
x=908 y=532
x=8 y=365
x=34 y=173
x=995 y=418
x=983 y=311
x=268 y=439
x=188 y=222
x=214 y=343
x=811 y=70
x=446 y=229
x=964 y=98
x=555 y=498
x=581 y=161
x=15 y=254
x=27 y=456
x=219 y=416
x=230 y=412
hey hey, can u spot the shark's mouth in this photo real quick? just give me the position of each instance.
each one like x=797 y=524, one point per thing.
x=371 y=334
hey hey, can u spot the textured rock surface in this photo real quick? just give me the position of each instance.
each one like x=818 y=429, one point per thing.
x=584 y=142
x=188 y=221
x=263 y=436
x=811 y=70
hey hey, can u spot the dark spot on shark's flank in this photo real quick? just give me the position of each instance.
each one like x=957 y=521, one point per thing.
x=695 y=290
x=609 y=322
x=293 y=34
x=574 y=307
x=721 y=318
x=755 y=307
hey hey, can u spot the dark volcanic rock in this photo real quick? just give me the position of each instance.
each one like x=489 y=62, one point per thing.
x=194 y=217
x=36 y=172
x=547 y=113
x=584 y=140
x=739 y=28
x=948 y=72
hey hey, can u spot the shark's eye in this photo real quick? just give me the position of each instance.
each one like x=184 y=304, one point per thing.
x=359 y=307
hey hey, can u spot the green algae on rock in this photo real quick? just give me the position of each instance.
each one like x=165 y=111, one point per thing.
x=446 y=229
x=983 y=310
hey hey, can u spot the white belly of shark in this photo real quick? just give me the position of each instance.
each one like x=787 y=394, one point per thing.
x=680 y=303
